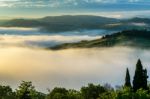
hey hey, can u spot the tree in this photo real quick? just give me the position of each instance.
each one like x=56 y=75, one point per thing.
x=92 y=91
x=142 y=94
x=125 y=93
x=127 y=79
x=58 y=93
x=25 y=90
x=145 y=77
x=73 y=94
x=140 y=77
x=6 y=92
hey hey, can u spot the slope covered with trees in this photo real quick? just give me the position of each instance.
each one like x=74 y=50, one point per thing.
x=131 y=38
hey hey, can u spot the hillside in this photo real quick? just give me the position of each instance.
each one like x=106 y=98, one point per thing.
x=132 y=38
x=61 y=23
x=78 y=22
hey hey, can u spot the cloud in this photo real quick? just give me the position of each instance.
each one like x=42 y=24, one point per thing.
x=100 y=1
x=59 y=3
x=134 y=0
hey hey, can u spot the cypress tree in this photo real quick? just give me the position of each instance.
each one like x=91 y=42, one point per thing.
x=140 y=77
x=127 y=79
x=145 y=77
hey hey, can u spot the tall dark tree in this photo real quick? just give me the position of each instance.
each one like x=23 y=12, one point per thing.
x=140 y=77
x=127 y=79
x=145 y=77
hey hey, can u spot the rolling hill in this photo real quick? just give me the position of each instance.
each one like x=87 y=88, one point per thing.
x=132 y=38
x=78 y=22
x=61 y=23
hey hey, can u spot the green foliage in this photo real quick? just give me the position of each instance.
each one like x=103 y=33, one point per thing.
x=58 y=93
x=108 y=95
x=73 y=94
x=24 y=91
x=142 y=94
x=125 y=93
x=6 y=93
x=27 y=91
x=92 y=91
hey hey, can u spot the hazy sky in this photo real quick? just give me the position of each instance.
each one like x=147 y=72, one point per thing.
x=39 y=8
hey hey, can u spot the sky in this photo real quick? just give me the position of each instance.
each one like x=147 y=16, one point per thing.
x=41 y=8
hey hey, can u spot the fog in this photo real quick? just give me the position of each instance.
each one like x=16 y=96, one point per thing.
x=23 y=57
x=40 y=41
x=33 y=37
x=70 y=68
x=38 y=31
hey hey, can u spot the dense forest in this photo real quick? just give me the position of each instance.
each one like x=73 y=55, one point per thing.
x=139 y=89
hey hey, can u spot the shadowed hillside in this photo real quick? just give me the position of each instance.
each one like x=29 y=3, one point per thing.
x=78 y=22
x=133 y=38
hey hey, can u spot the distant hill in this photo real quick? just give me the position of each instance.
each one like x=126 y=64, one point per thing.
x=22 y=23
x=139 y=20
x=132 y=38
x=78 y=22
x=62 y=23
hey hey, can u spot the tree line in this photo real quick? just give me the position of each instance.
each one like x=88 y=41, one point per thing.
x=139 y=89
